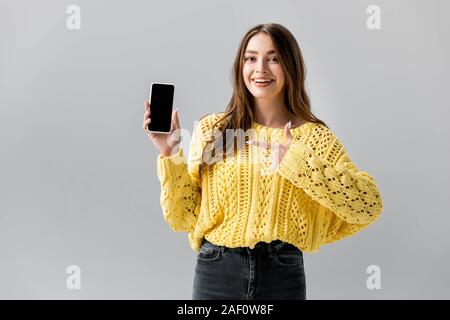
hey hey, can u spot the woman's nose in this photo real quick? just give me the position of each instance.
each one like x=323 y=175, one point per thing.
x=260 y=66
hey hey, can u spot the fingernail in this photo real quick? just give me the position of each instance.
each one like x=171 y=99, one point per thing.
x=289 y=124
x=176 y=109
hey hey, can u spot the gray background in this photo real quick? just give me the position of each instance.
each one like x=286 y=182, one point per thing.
x=78 y=181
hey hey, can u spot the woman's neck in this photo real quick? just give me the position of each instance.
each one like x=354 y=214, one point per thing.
x=276 y=117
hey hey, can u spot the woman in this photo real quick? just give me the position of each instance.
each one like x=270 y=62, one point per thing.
x=251 y=211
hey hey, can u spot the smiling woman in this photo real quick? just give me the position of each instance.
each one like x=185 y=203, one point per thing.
x=250 y=228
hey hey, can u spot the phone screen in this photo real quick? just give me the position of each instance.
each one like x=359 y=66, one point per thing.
x=161 y=103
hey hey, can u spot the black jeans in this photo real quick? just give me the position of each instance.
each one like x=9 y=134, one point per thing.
x=269 y=271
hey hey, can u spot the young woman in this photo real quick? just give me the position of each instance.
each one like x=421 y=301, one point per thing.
x=251 y=211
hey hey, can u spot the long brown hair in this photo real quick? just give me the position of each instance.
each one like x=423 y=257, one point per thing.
x=239 y=113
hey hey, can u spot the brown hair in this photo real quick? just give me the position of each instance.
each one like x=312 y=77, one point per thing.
x=240 y=110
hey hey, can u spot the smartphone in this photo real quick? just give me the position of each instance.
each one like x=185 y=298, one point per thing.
x=161 y=105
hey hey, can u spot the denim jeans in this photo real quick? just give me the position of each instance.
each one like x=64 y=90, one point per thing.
x=269 y=271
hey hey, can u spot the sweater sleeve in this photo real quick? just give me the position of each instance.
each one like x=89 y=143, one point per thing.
x=324 y=170
x=180 y=185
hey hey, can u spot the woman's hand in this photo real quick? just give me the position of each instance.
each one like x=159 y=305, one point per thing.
x=278 y=150
x=165 y=143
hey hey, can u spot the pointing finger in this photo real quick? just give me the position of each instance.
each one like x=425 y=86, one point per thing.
x=287 y=131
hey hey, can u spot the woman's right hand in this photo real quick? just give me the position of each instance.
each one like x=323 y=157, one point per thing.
x=163 y=142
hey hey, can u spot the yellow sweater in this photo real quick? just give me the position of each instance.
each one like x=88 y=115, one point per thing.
x=316 y=195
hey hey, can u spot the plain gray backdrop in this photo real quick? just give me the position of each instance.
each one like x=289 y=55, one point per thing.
x=78 y=182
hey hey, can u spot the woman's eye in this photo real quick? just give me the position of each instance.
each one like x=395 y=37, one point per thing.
x=273 y=58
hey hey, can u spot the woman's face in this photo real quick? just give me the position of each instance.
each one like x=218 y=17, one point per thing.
x=260 y=61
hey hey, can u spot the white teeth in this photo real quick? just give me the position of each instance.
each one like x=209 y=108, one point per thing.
x=262 y=81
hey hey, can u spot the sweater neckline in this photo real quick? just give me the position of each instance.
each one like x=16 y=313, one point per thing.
x=257 y=125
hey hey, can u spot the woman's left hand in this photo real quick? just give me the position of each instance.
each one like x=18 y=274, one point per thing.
x=278 y=150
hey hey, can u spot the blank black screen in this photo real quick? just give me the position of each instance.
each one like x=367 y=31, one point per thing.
x=161 y=101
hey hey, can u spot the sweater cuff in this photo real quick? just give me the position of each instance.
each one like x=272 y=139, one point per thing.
x=294 y=164
x=170 y=165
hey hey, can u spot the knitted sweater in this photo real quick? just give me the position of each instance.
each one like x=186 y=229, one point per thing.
x=316 y=195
